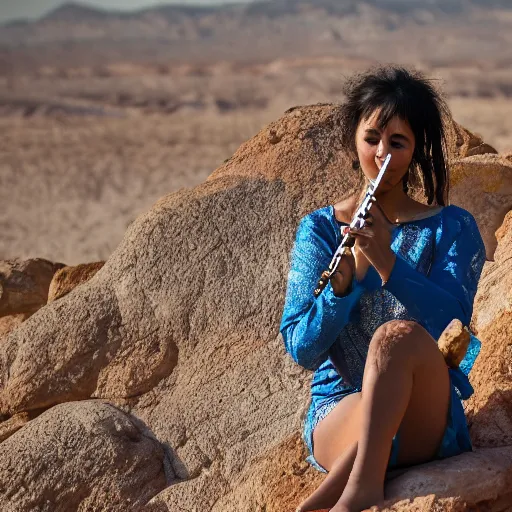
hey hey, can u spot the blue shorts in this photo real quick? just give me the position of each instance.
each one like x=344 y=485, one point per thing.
x=455 y=441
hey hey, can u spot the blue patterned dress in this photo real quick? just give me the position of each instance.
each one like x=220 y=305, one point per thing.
x=434 y=280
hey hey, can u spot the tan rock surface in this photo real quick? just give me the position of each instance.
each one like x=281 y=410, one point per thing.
x=181 y=323
x=9 y=322
x=482 y=184
x=490 y=409
x=429 y=504
x=478 y=478
x=80 y=456
x=462 y=141
x=13 y=424
x=24 y=285
x=24 y=289
x=494 y=288
x=481 y=180
x=277 y=481
x=68 y=278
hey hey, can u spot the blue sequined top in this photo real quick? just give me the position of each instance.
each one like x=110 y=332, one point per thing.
x=434 y=280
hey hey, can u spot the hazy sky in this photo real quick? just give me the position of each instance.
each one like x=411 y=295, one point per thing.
x=12 y=9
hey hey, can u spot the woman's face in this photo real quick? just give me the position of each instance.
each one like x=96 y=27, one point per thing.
x=373 y=145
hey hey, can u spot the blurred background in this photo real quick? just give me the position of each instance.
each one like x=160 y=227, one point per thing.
x=106 y=106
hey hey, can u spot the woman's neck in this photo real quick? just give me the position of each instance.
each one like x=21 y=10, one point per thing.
x=395 y=203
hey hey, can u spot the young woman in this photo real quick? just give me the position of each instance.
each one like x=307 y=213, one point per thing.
x=414 y=268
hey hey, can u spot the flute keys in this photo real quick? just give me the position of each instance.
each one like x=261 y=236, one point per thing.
x=322 y=283
x=324 y=278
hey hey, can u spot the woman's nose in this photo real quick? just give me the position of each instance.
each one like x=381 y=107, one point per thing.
x=382 y=150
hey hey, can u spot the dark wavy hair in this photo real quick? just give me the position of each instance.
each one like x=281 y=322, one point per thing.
x=408 y=94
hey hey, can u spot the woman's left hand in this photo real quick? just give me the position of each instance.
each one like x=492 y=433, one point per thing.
x=374 y=241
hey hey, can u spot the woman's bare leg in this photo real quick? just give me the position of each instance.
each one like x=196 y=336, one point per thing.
x=404 y=368
x=333 y=438
x=329 y=491
x=422 y=426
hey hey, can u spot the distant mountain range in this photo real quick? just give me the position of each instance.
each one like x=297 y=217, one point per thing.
x=77 y=12
x=404 y=30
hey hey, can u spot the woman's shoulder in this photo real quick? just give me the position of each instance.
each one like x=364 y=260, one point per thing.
x=460 y=225
x=458 y=217
x=319 y=225
x=321 y=217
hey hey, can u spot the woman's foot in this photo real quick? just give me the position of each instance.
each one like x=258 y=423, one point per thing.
x=358 y=498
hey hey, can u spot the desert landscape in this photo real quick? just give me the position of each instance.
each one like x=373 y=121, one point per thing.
x=102 y=113
x=164 y=139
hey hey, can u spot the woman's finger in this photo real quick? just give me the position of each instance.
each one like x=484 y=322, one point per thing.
x=368 y=219
x=367 y=232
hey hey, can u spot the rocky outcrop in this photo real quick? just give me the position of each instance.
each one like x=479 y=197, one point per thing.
x=490 y=409
x=479 y=479
x=87 y=456
x=494 y=288
x=277 y=481
x=24 y=285
x=68 y=278
x=9 y=322
x=13 y=424
x=180 y=326
x=23 y=290
x=464 y=142
x=482 y=184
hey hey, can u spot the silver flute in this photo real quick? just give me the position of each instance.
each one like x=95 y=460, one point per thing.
x=357 y=222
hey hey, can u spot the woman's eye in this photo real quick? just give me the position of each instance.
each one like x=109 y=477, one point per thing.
x=372 y=142
x=397 y=145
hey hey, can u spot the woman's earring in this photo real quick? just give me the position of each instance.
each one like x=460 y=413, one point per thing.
x=405 y=180
x=355 y=164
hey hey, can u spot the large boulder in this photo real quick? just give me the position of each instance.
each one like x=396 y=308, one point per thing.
x=482 y=479
x=68 y=278
x=13 y=424
x=490 y=408
x=10 y=322
x=482 y=184
x=24 y=286
x=80 y=456
x=181 y=324
x=274 y=482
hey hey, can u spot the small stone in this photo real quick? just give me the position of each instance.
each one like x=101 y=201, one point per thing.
x=453 y=343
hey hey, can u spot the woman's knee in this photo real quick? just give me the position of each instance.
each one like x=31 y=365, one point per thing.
x=403 y=336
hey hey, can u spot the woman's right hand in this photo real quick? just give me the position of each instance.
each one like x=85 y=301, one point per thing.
x=342 y=278
x=349 y=267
